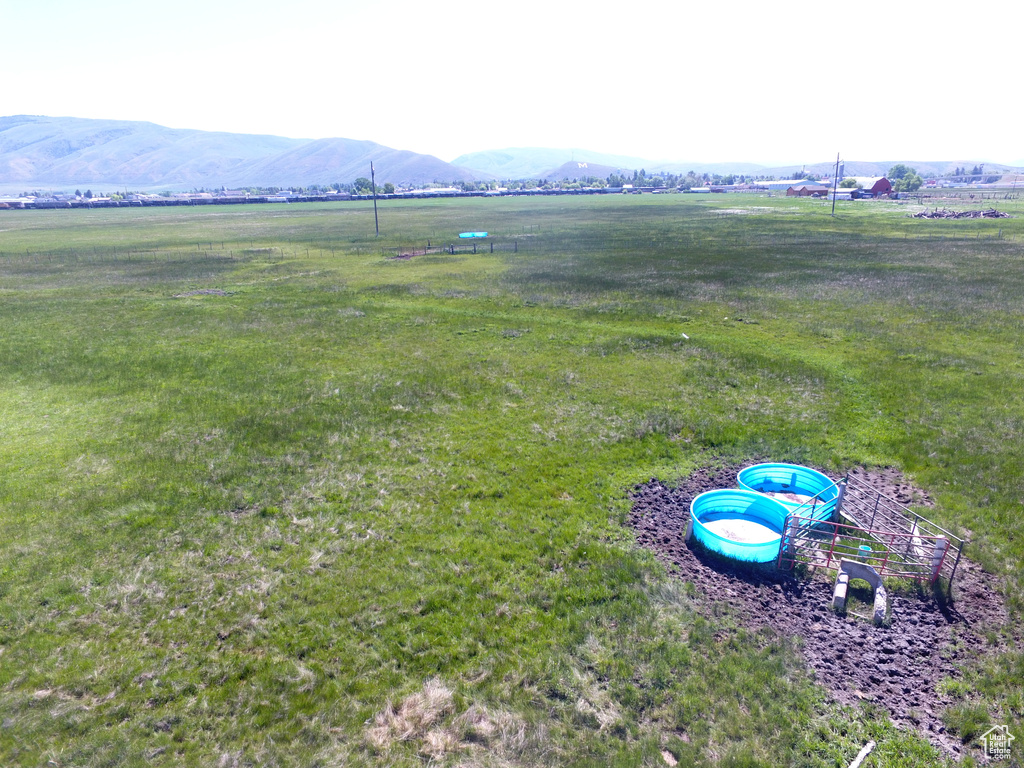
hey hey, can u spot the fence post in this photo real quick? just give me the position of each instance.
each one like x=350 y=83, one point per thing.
x=941 y=545
x=787 y=547
x=839 y=501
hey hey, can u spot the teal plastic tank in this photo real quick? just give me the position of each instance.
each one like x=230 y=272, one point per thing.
x=802 y=490
x=741 y=524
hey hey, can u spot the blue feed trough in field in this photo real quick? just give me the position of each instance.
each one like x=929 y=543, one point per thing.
x=744 y=525
x=802 y=490
x=472 y=234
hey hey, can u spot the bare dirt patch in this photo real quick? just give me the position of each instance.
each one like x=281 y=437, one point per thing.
x=897 y=667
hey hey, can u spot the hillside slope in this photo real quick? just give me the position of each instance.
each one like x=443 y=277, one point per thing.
x=69 y=151
x=325 y=161
x=547 y=163
x=582 y=170
x=536 y=162
x=880 y=168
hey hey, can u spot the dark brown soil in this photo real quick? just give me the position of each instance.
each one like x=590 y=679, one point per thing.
x=897 y=667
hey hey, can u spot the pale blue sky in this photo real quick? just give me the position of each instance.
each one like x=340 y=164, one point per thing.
x=773 y=83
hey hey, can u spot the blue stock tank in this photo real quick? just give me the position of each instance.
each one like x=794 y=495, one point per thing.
x=801 y=490
x=741 y=524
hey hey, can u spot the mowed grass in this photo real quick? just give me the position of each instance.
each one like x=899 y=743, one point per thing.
x=272 y=498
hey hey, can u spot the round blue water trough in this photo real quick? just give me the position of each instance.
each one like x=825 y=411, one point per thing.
x=741 y=524
x=801 y=489
x=472 y=234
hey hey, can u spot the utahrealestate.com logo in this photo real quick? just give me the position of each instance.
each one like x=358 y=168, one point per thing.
x=997 y=742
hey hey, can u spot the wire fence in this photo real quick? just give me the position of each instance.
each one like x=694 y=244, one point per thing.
x=880 y=532
x=904 y=555
x=451 y=248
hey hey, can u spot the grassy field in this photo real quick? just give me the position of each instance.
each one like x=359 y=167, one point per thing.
x=271 y=498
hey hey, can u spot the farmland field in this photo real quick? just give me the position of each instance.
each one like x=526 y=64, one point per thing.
x=271 y=496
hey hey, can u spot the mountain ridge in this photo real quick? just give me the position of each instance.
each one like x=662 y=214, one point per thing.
x=72 y=151
x=69 y=152
x=535 y=162
x=544 y=163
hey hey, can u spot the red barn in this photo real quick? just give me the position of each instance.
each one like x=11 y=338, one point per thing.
x=876 y=185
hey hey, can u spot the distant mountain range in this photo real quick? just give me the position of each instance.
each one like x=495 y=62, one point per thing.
x=556 y=164
x=542 y=163
x=583 y=170
x=924 y=168
x=69 y=152
x=536 y=162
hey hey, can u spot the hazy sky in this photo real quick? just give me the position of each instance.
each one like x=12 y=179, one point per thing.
x=774 y=83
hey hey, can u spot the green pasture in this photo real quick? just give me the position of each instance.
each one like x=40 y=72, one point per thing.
x=272 y=497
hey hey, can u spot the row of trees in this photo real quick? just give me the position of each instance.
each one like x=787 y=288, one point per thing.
x=363 y=186
x=640 y=178
x=903 y=178
x=87 y=195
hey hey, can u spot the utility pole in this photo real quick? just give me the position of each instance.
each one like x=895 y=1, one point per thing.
x=835 y=185
x=373 y=183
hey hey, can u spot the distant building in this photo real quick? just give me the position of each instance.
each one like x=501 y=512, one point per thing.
x=873 y=185
x=783 y=184
x=807 y=189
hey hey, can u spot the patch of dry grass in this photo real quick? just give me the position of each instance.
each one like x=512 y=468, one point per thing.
x=432 y=723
